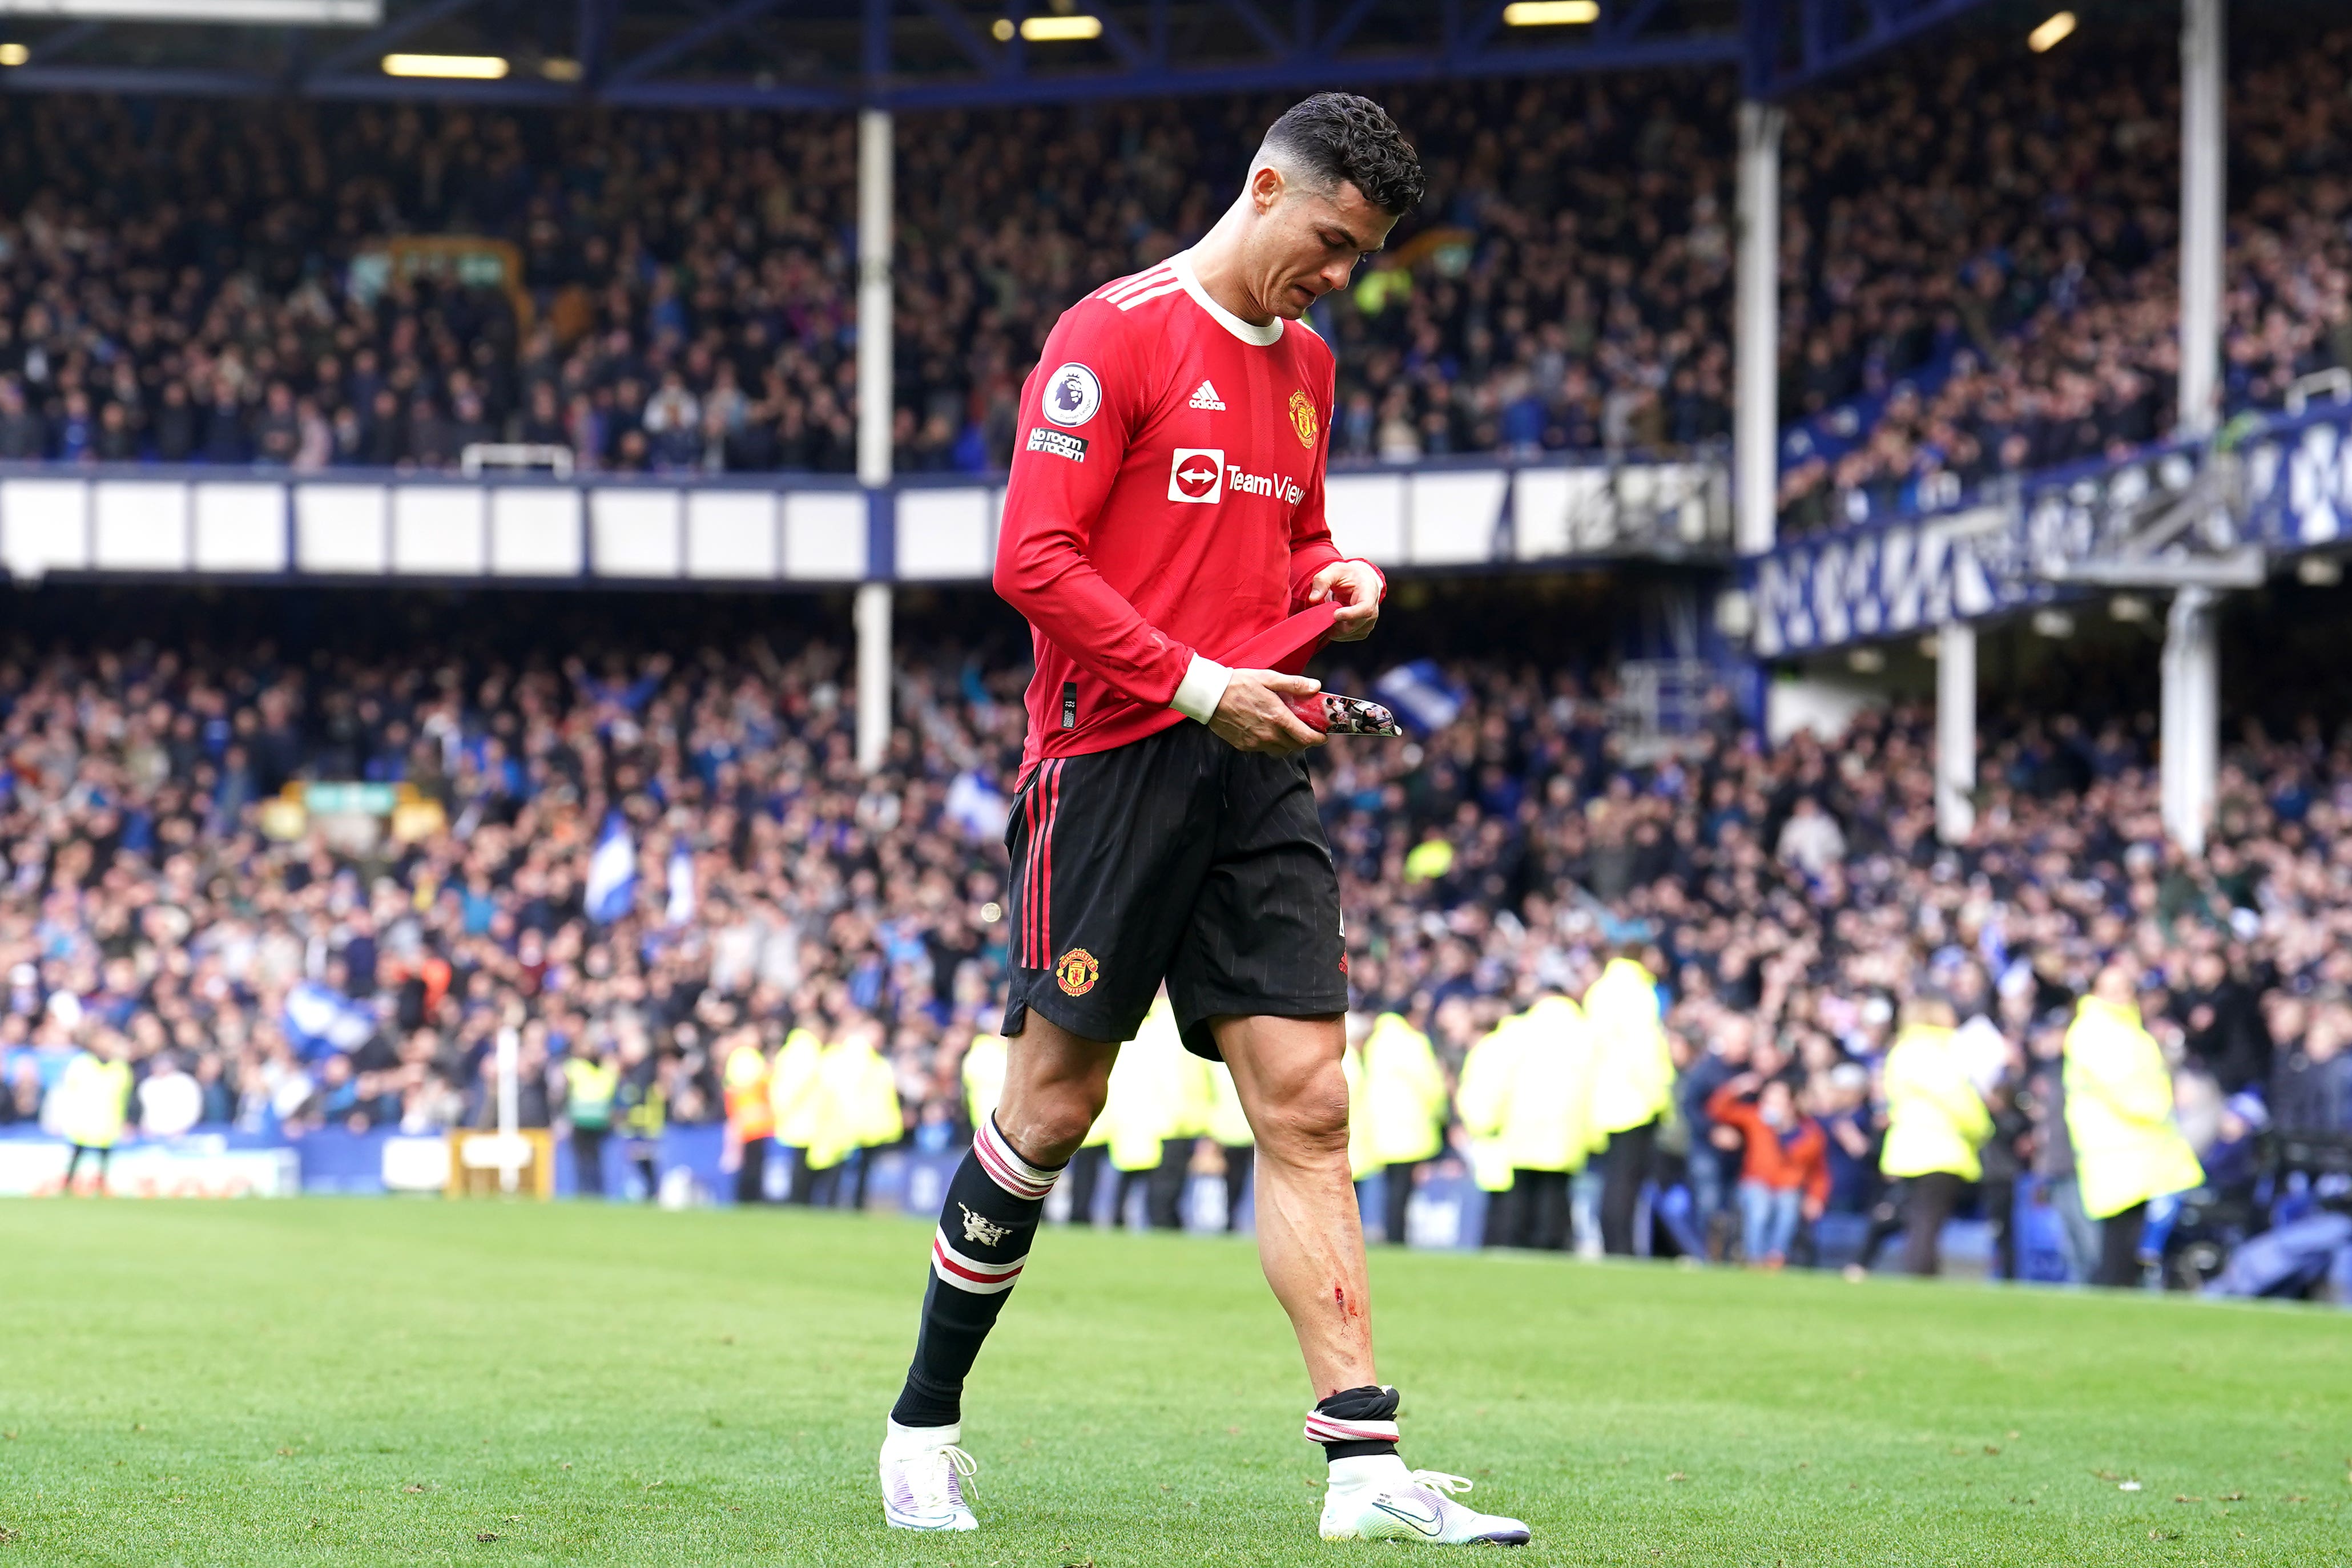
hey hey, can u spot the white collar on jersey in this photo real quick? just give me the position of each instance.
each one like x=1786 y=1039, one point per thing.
x=1263 y=337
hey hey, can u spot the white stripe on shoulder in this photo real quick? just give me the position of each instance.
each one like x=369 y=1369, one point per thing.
x=1144 y=279
x=1174 y=286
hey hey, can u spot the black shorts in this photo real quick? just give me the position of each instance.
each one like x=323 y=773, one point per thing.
x=1172 y=858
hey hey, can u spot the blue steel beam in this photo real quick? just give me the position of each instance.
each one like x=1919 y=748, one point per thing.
x=1628 y=17
x=968 y=43
x=1255 y=21
x=678 y=46
x=370 y=46
x=782 y=98
x=1827 y=39
x=1119 y=40
x=874 y=41
x=592 y=40
x=1305 y=73
x=1316 y=53
x=64 y=41
x=1481 y=25
x=131 y=82
x=1301 y=74
x=1345 y=28
x=513 y=92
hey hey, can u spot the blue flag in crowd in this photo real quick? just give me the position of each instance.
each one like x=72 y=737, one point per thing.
x=612 y=872
x=681 y=885
x=1421 y=696
x=319 y=1019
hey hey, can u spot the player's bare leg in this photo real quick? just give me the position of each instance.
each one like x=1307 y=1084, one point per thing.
x=1055 y=1084
x=1054 y=1087
x=1310 y=1241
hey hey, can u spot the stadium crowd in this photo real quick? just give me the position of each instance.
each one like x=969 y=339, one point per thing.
x=1977 y=253
x=666 y=877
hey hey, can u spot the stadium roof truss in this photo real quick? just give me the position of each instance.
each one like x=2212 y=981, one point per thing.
x=1790 y=44
x=890 y=54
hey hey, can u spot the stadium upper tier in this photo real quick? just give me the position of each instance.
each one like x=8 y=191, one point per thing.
x=1977 y=261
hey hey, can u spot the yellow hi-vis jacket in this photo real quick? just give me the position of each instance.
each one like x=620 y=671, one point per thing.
x=1404 y=1092
x=1228 y=1123
x=792 y=1089
x=857 y=1103
x=92 y=1097
x=1632 y=1071
x=2127 y=1147
x=1936 y=1120
x=750 y=1108
x=589 y=1087
x=1544 y=1122
x=1479 y=1100
x=1362 y=1159
x=1158 y=1091
x=984 y=1077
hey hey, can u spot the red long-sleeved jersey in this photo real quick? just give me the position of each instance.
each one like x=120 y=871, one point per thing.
x=1166 y=500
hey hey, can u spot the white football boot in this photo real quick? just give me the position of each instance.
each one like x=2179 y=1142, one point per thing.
x=923 y=1478
x=1377 y=1499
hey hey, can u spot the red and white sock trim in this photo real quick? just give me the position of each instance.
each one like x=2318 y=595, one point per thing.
x=1007 y=1170
x=1322 y=1428
x=968 y=1273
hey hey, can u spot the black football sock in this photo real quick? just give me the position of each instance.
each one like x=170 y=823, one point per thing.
x=1355 y=1423
x=993 y=1204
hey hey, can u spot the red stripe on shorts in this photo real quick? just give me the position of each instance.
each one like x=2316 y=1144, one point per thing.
x=1029 y=876
x=1045 y=896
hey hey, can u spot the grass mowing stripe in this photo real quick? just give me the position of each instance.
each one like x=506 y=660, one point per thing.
x=357 y=1381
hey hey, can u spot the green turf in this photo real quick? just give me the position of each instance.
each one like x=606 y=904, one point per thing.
x=374 y=1381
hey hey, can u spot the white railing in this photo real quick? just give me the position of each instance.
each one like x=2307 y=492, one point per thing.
x=152 y=521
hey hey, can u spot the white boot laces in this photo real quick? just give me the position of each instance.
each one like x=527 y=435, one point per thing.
x=936 y=1485
x=1438 y=1480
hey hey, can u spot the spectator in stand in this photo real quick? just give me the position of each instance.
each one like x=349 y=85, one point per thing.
x=1715 y=1157
x=1841 y=1106
x=1784 y=1170
x=170 y=1102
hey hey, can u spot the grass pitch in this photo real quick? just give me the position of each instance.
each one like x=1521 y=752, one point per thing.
x=326 y=1381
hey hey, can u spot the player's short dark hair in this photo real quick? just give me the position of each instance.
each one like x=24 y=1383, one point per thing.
x=1338 y=137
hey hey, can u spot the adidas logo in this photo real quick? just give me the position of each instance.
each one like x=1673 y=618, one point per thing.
x=1205 y=396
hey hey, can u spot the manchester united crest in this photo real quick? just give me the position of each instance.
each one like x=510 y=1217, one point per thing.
x=1302 y=418
x=1076 y=972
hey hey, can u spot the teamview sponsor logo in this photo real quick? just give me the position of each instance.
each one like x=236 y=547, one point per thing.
x=1058 y=444
x=1202 y=476
x=1197 y=475
x=1281 y=487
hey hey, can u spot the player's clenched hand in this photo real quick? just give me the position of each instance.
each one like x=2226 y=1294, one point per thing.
x=1254 y=712
x=1357 y=587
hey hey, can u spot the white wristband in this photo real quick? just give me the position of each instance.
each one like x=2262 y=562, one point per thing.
x=1202 y=689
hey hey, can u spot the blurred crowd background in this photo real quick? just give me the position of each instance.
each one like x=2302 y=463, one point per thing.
x=1978 y=265
x=662 y=871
